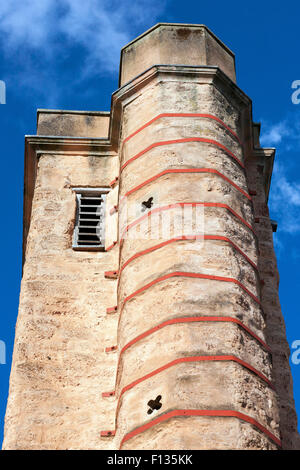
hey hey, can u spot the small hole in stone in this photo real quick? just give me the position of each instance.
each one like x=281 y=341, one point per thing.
x=147 y=204
x=154 y=404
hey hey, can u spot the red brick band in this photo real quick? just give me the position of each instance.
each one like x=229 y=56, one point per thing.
x=189 y=359
x=108 y=394
x=183 y=204
x=187 y=237
x=212 y=413
x=190 y=275
x=181 y=141
x=113 y=210
x=114 y=182
x=187 y=170
x=111 y=274
x=107 y=433
x=189 y=115
x=192 y=320
x=112 y=309
x=194 y=359
x=111 y=246
x=175 y=321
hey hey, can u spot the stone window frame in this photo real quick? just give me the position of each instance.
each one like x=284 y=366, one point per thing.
x=89 y=191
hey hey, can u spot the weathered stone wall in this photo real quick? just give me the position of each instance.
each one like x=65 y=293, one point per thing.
x=60 y=367
x=275 y=326
x=144 y=368
x=73 y=123
x=168 y=44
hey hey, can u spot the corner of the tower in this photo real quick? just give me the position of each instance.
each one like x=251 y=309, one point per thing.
x=168 y=43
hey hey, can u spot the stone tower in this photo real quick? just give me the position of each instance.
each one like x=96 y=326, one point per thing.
x=160 y=326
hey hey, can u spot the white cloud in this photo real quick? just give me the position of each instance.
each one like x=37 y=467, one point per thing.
x=285 y=200
x=284 y=134
x=274 y=134
x=101 y=27
x=38 y=35
x=24 y=23
x=285 y=189
x=283 y=186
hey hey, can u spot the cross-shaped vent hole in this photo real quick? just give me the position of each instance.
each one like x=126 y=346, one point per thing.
x=154 y=404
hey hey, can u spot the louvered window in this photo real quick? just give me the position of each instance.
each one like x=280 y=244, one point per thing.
x=90 y=213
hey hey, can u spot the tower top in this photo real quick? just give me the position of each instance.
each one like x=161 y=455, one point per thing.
x=175 y=43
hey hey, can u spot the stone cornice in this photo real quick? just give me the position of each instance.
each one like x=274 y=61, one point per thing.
x=187 y=70
x=267 y=156
x=181 y=25
x=205 y=73
x=67 y=144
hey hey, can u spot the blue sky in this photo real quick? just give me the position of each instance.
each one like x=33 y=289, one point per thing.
x=65 y=54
